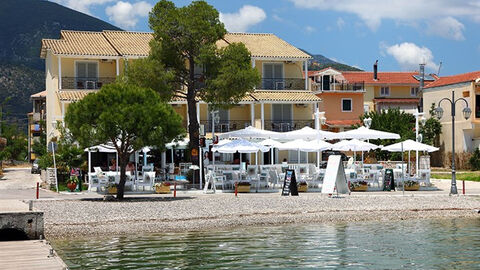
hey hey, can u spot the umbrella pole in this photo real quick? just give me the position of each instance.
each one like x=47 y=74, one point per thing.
x=318 y=159
x=272 y=150
x=307 y=157
x=403 y=175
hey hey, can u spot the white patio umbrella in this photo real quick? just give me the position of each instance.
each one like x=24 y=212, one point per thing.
x=363 y=133
x=272 y=144
x=293 y=145
x=409 y=145
x=308 y=133
x=241 y=146
x=250 y=133
x=316 y=146
x=182 y=144
x=354 y=145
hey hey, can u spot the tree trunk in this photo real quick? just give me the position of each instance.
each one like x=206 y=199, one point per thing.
x=192 y=116
x=123 y=157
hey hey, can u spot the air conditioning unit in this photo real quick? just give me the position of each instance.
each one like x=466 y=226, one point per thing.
x=106 y=60
x=289 y=62
x=302 y=105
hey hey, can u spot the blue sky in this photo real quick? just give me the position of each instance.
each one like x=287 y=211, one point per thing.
x=399 y=33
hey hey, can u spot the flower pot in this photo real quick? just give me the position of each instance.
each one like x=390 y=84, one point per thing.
x=242 y=188
x=302 y=187
x=112 y=190
x=359 y=187
x=71 y=186
x=162 y=189
x=413 y=187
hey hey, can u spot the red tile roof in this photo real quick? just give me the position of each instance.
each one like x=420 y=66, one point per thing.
x=383 y=77
x=343 y=122
x=447 y=80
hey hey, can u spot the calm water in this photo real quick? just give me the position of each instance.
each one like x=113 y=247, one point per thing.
x=424 y=244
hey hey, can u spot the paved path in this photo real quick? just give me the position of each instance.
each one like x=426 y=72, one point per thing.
x=20 y=184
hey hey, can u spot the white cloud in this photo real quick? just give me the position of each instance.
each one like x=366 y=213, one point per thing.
x=409 y=55
x=126 y=15
x=81 y=5
x=310 y=29
x=447 y=27
x=372 y=12
x=246 y=17
x=340 y=23
x=277 y=18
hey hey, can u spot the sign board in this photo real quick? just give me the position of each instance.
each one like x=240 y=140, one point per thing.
x=290 y=184
x=194 y=152
x=52 y=146
x=389 y=181
x=335 y=180
x=202 y=130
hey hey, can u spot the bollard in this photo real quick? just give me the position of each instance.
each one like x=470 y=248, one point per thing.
x=38 y=189
x=175 y=189
x=30 y=206
x=236 y=189
x=463 y=187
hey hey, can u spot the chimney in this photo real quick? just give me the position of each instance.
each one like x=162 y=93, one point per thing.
x=420 y=88
x=375 y=70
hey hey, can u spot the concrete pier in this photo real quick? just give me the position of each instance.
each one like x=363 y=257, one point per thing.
x=17 y=222
x=31 y=254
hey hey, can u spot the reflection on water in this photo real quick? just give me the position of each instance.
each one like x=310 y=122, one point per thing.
x=417 y=244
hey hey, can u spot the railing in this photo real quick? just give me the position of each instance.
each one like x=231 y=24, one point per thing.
x=225 y=125
x=282 y=84
x=358 y=86
x=286 y=125
x=85 y=82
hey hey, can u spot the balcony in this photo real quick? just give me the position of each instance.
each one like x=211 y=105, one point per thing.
x=225 y=125
x=338 y=87
x=286 y=125
x=85 y=83
x=282 y=84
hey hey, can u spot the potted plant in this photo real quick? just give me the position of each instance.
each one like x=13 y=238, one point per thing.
x=111 y=188
x=358 y=186
x=243 y=187
x=302 y=187
x=162 y=188
x=411 y=185
x=72 y=183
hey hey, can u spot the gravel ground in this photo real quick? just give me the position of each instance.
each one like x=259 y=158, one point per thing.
x=65 y=218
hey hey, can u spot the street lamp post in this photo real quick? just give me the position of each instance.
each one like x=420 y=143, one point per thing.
x=418 y=137
x=466 y=113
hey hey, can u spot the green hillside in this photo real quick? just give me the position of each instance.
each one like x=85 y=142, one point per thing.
x=24 y=24
x=320 y=62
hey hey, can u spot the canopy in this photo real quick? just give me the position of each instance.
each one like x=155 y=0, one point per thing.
x=409 y=145
x=103 y=148
x=270 y=142
x=354 y=145
x=316 y=145
x=178 y=144
x=240 y=145
x=222 y=142
x=308 y=133
x=293 y=145
x=363 y=133
x=250 y=133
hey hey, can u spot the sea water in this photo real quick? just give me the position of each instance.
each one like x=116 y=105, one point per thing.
x=411 y=244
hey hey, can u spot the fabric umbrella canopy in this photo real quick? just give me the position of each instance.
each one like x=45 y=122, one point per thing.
x=316 y=145
x=103 y=148
x=293 y=145
x=250 y=133
x=222 y=142
x=242 y=146
x=354 y=145
x=183 y=144
x=363 y=133
x=308 y=133
x=410 y=145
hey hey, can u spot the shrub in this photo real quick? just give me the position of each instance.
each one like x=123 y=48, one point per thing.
x=475 y=160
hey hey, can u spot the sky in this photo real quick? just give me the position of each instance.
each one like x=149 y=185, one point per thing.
x=401 y=34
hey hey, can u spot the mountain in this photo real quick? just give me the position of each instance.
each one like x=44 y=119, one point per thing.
x=24 y=24
x=320 y=62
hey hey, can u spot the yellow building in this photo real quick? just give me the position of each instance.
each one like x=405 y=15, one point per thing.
x=467 y=132
x=79 y=63
x=35 y=118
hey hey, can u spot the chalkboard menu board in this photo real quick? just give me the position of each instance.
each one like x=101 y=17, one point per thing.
x=290 y=184
x=389 y=181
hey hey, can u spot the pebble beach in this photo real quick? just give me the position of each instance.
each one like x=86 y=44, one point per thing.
x=198 y=212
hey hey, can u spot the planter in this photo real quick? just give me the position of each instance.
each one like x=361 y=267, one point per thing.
x=413 y=187
x=302 y=187
x=112 y=190
x=162 y=189
x=72 y=186
x=358 y=187
x=243 y=188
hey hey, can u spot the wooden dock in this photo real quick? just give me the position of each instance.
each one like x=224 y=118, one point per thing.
x=31 y=254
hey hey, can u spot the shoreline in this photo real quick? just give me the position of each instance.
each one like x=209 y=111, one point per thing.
x=200 y=212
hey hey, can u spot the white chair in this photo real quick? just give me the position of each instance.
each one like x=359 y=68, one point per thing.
x=93 y=181
x=147 y=181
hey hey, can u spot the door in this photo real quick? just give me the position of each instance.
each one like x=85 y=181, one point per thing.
x=273 y=76
x=326 y=82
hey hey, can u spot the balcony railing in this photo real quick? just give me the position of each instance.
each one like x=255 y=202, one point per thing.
x=358 y=86
x=282 y=84
x=85 y=82
x=286 y=125
x=225 y=125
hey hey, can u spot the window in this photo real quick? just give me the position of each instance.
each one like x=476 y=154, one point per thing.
x=414 y=91
x=273 y=76
x=385 y=91
x=86 y=75
x=346 y=104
